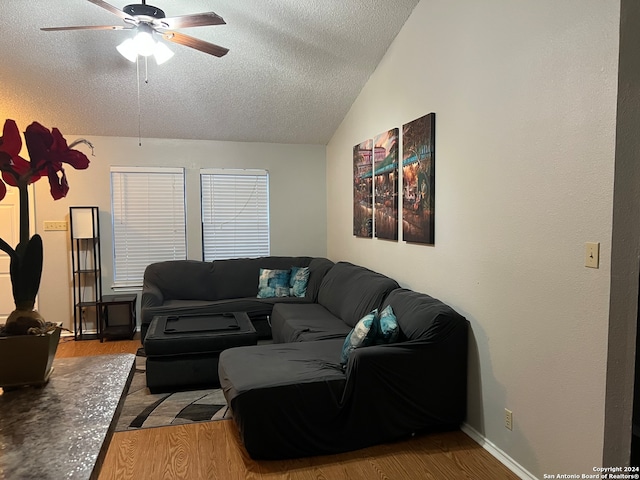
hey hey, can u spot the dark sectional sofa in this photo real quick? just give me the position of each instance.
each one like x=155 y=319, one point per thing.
x=183 y=287
x=294 y=398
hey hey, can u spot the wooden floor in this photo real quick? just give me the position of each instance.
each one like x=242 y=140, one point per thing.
x=212 y=450
x=68 y=347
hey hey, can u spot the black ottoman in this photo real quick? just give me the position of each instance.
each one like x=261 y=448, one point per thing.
x=182 y=351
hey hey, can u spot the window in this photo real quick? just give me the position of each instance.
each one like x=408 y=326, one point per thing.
x=235 y=213
x=148 y=212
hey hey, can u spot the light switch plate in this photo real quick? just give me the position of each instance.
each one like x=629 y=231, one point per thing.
x=592 y=255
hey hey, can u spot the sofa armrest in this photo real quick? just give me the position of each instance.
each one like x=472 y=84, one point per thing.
x=411 y=385
x=151 y=296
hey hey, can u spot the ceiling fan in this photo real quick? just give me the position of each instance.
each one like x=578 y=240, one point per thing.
x=148 y=20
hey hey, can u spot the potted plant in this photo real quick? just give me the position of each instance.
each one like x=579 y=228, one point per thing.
x=25 y=331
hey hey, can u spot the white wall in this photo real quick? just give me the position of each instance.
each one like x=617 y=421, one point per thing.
x=297 y=201
x=525 y=100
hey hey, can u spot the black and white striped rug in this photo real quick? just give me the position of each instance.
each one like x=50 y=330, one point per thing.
x=143 y=409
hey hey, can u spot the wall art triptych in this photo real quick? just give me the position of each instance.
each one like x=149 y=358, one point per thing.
x=376 y=180
x=362 y=193
x=385 y=184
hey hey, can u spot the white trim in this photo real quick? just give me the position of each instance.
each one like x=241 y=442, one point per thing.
x=502 y=457
x=146 y=169
x=126 y=288
x=234 y=171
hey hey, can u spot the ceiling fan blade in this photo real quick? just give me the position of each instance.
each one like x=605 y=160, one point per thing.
x=111 y=8
x=86 y=27
x=186 y=21
x=187 y=41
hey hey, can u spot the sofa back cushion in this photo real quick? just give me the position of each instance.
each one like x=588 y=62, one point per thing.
x=318 y=268
x=238 y=278
x=421 y=317
x=350 y=291
x=181 y=279
x=225 y=279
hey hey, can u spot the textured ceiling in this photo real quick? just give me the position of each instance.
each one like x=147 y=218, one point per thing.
x=293 y=70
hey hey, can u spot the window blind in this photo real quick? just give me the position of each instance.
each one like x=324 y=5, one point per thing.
x=148 y=212
x=235 y=213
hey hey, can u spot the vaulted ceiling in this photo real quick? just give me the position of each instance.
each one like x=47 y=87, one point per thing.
x=293 y=70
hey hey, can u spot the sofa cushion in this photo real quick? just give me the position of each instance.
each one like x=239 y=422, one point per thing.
x=238 y=277
x=298 y=281
x=421 y=317
x=284 y=396
x=350 y=291
x=363 y=334
x=181 y=279
x=295 y=322
x=274 y=365
x=318 y=268
x=273 y=283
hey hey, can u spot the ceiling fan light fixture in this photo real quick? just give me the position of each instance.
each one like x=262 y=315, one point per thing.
x=144 y=41
x=128 y=50
x=162 y=53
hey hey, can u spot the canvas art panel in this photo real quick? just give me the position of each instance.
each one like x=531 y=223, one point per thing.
x=385 y=184
x=418 y=180
x=362 y=189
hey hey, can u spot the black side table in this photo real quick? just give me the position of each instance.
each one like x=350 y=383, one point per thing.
x=117 y=316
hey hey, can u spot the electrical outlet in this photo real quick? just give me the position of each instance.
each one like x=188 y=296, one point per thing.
x=55 y=226
x=508 y=419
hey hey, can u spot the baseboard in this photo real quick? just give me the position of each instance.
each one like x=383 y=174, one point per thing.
x=490 y=447
x=69 y=333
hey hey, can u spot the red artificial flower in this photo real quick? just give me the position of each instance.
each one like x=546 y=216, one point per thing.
x=11 y=143
x=48 y=150
x=13 y=166
x=51 y=148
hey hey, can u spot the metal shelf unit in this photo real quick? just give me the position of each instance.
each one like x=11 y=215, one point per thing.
x=87 y=268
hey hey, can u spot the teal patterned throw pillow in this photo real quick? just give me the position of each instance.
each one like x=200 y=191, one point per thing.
x=362 y=335
x=388 y=330
x=298 y=281
x=273 y=283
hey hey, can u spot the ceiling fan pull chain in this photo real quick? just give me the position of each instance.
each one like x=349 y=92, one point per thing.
x=138 y=85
